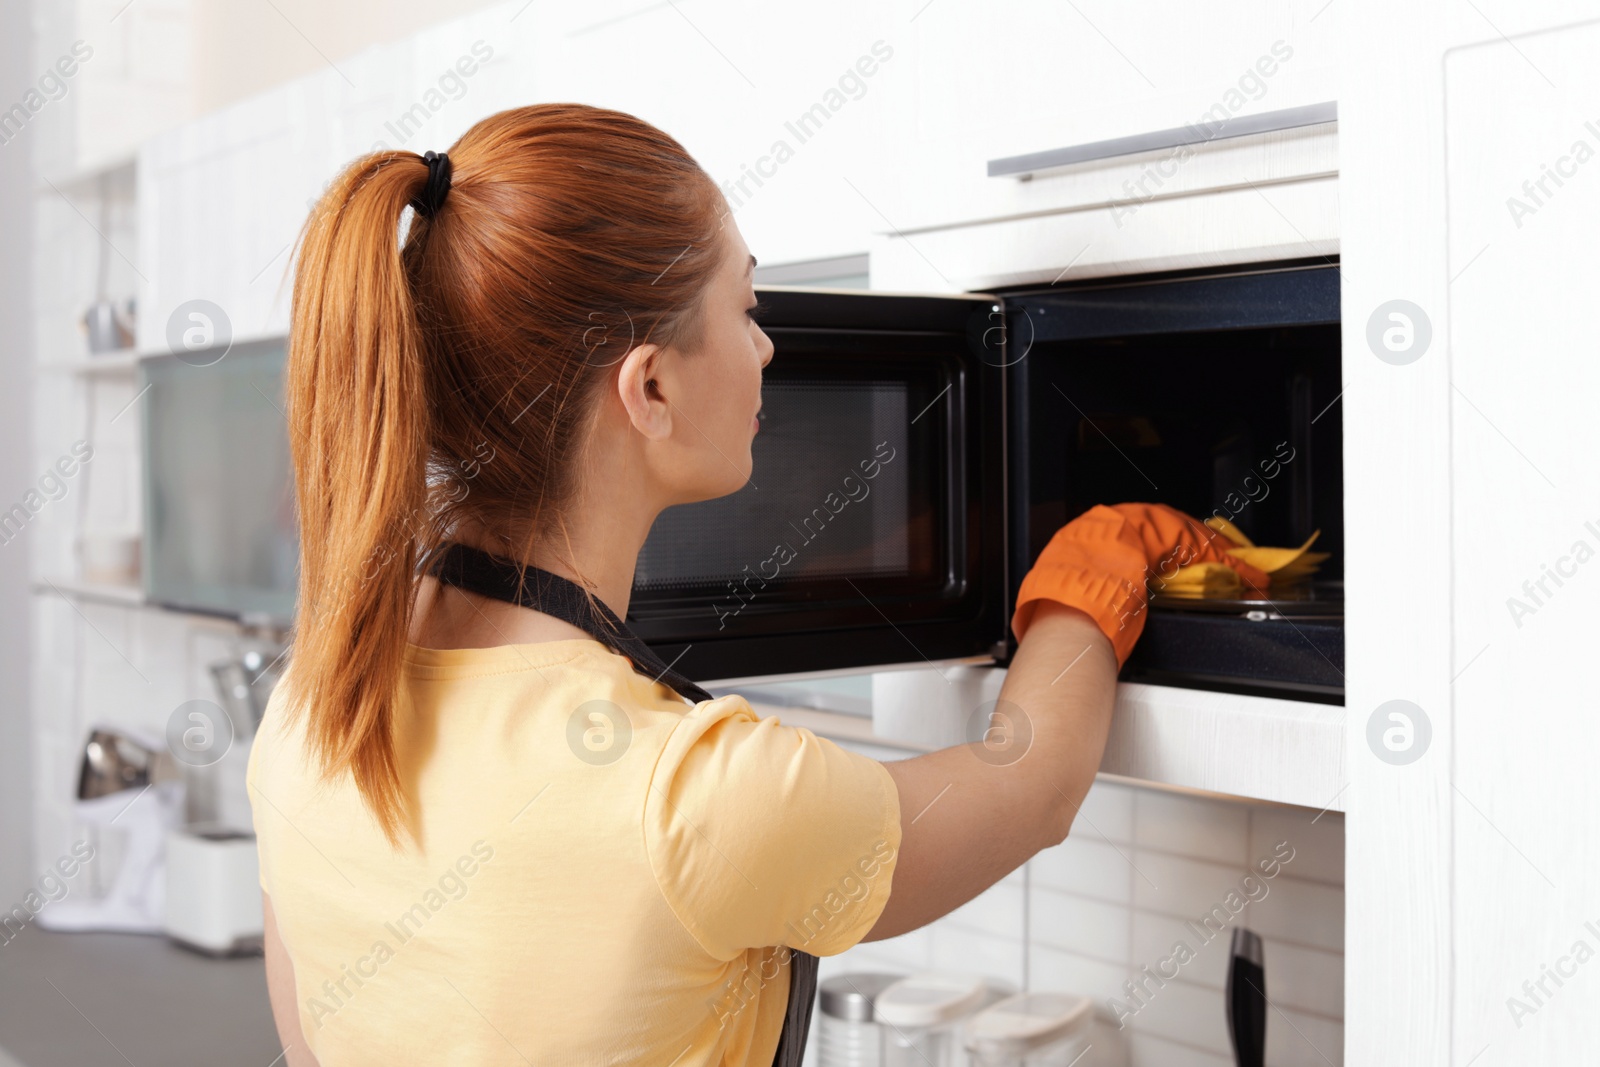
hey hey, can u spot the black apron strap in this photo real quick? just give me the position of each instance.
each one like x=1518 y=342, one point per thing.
x=476 y=571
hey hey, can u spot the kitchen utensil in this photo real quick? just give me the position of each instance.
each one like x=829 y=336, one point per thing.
x=1247 y=999
x=131 y=782
x=245 y=683
x=110 y=328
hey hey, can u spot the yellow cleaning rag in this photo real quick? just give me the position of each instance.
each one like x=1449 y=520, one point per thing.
x=1282 y=565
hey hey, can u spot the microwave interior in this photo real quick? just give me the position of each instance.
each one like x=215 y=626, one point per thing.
x=1216 y=396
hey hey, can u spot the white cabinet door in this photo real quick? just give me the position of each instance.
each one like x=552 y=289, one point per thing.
x=1034 y=75
x=1470 y=175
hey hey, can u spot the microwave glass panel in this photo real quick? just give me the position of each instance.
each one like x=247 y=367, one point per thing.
x=851 y=483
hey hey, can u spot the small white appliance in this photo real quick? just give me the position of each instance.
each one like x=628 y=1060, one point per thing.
x=214 y=891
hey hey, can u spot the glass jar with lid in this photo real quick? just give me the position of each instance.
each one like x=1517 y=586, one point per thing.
x=848 y=1032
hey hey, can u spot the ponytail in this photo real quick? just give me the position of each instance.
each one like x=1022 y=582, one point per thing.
x=359 y=436
x=450 y=381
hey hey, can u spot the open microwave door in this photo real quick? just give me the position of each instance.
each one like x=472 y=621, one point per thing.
x=872 y=530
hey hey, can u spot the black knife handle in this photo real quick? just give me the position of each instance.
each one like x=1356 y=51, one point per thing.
x=1247 y=1000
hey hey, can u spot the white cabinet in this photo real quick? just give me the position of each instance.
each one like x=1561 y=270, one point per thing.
x=1470 y=191
x=1035 y=76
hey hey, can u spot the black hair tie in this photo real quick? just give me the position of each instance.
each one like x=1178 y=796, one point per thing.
x=428 y=203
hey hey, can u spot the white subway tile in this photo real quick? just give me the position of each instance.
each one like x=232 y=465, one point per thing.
x=1298 y=1040
x=1106 y=812
x=966 y=952
x=1087 y=865
x=1183 y=1012
x=866 y=963
x=1305 y=913
x=1053 y=971
x=1154 y=937
x=1147 y=1050
x=1192 y=826
x=1318 y=845
x=1075 y=924
x=909 y=952
x=1185 y=888
x=996 y=911
x=1308 y=979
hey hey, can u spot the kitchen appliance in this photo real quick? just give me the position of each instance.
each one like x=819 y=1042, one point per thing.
x=213 y=900
x=916 y=453
x=245 y=684
x=129 y=781
x=1247 y=999
x=873 y=528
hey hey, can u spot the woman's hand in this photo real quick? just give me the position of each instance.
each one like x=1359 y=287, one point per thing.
x=1098 y=563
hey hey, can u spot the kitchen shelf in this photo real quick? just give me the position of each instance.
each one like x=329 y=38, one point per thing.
x=1264 y=748
x=86 y=177
x=131 y=596
x=1260 y=748
x=121 y=361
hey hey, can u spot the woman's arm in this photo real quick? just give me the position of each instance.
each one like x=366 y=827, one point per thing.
x=280 y=991
x=966 y=823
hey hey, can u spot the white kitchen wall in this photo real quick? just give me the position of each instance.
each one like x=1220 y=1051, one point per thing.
x=1140 y=864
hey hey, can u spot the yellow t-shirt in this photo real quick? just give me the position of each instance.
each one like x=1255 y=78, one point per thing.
x=603 y=873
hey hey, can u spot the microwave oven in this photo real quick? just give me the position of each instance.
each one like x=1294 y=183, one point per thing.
x=916 y=453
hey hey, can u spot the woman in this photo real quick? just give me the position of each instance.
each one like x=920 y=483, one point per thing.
x=486 y=836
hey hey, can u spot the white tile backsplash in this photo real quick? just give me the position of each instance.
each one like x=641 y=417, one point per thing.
x=1107 y=813
x=1076 y=924
x=1182 y=1011
x=1186 y=826
x=997 y=912
x=1317 y=838
x=1087 y=867
x=960 y=949
x=1154 y=937
x=1295 y=1039
x=1141 y=868
x=1181 y=887
x=1302 y=913
x=1055 y=970
x=1306 y=979
x=1149 y=1049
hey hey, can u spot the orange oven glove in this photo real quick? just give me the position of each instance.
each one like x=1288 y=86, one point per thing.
x=1099 y=562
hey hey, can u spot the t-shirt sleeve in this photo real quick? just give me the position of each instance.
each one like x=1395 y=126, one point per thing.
x=762 y=834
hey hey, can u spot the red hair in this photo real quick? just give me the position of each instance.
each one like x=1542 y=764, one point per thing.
x=450 y=378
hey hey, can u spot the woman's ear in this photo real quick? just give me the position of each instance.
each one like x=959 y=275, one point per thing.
x=640 y=393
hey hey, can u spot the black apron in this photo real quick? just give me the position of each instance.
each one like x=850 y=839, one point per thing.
x=498 y=579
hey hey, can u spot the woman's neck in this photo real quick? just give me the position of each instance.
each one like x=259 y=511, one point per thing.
x=595 y=543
